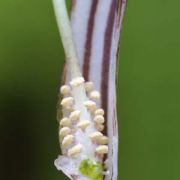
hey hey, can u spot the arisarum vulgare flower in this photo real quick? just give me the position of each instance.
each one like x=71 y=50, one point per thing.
x=87 y=107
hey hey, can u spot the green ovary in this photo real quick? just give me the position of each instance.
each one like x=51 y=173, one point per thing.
x=91 y=169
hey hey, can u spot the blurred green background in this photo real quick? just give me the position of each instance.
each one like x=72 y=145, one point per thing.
x=31 y=59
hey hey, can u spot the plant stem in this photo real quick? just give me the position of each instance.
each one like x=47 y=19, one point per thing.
x=66 y=36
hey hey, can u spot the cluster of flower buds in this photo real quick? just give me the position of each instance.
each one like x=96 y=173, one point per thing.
x=73 y=120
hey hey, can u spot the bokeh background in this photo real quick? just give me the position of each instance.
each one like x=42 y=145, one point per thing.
x=31 y=58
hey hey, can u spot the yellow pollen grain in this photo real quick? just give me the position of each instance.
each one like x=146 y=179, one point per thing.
x=102 y=149
x=96 y=136
x=75 y=115
x=100 y=127
x=90 y=105
x=77 y=81
x=99 y=112
x=68 y=140
x=95 y=95
x=99 y=119
x=103 y=140
x=89 y=86
x=65 y=122
x=65 y=89
x=67 y=101
x=83 y=124
x=75 y=150
x=64 y=131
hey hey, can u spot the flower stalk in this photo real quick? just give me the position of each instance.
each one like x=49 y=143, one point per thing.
x=88 y=125
x=66 y=36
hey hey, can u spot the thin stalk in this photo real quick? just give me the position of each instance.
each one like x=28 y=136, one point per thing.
x=66 y=36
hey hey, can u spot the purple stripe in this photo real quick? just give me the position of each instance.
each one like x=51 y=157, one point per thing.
x=88 y=44
x=106 y=57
